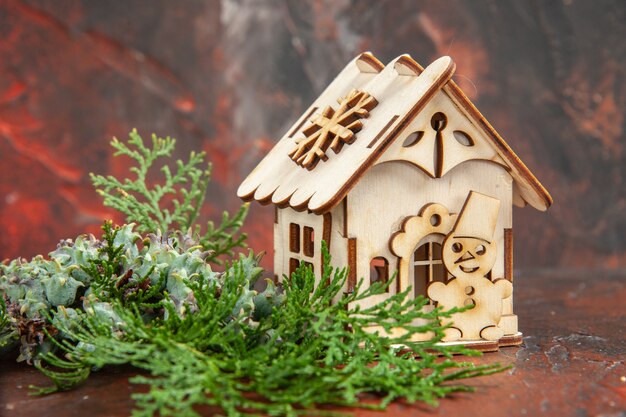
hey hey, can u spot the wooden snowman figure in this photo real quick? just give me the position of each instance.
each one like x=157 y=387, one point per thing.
x=469 y=253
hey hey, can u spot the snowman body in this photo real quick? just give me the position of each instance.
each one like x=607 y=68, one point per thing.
x=469 y=254
x=482 y=296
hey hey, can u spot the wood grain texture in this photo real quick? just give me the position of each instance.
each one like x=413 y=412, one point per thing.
x=352 y=265
x=319 y=188
x=469 y=254
x=508 y=254
x=547 y=75
x=298 y=238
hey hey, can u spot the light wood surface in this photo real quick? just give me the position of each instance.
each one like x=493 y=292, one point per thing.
x=380 y=166
x=332 y=129
x=279 y=180
x=409 y=96
x=469 y=254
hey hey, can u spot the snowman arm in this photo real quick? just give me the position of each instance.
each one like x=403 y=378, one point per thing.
x=504 y=286
x=436 y=290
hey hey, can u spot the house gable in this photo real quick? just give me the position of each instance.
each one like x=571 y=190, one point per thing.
x=527 y=189
x=439 y=138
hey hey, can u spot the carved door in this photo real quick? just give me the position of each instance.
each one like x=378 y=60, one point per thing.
x=426 y=264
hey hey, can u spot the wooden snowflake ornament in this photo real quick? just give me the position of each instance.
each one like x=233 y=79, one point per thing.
x=332 y=128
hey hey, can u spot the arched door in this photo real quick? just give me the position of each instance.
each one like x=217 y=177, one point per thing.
x=419 y=265
x=426 y=264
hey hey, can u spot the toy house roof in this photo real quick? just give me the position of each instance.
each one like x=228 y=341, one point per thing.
x=400 y=91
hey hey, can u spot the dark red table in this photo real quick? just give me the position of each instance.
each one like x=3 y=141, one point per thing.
x=572 y=362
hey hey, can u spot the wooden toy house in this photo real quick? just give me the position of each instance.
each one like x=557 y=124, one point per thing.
x=396 y=170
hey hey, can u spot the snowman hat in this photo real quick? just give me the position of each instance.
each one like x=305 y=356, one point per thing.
x=478 y=217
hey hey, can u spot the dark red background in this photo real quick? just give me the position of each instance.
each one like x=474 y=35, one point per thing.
x=230 y=77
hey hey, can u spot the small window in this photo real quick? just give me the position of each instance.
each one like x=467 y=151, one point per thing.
x=439 y=121
x=412 y=139
x=309 y=266
x=294 y=238
x=463 y=138
x=309 y=241
x=428 y=267
x=379 y=270
x=293 y=265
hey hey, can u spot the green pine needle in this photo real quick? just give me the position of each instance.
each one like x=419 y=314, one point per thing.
x=8 y=335
x=173 y=204
x=308 y=352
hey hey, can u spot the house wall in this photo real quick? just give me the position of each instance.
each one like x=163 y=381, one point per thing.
x=329 y=227
x=282 y=253
x=391 y=191
x=375 y=209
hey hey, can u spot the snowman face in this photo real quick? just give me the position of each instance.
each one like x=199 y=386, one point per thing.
x=464 y=255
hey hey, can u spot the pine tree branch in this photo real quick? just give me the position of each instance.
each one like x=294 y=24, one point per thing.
x=174 y=203
x=306 y=352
